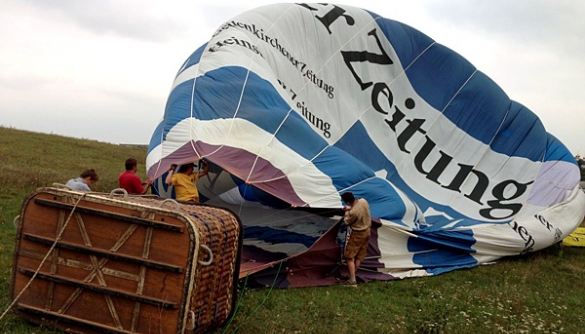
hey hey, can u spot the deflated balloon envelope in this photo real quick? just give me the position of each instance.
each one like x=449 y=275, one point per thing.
x=294 y=104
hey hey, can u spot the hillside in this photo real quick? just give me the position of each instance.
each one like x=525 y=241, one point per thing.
x=31 y=160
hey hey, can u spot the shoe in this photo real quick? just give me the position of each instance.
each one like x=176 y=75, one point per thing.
x=349 y=284
x=342 y=278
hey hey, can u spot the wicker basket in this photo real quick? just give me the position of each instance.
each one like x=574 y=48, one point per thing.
x=124 y=264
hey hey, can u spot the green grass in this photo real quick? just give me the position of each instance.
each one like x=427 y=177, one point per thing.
x=543 y=292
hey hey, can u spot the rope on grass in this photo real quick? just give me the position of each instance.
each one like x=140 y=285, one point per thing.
x=34 y=276
x=257 y=307
x=238 y=304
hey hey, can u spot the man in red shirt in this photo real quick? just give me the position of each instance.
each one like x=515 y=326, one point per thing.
x=130 y=181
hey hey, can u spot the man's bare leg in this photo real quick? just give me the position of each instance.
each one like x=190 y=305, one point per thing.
x=351 y=266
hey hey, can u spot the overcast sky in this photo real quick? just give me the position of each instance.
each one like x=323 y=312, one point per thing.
x=103 y=69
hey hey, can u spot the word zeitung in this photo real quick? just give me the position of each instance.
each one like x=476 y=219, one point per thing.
x=416 y=126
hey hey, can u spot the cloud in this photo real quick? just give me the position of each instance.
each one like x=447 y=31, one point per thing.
x=128 y=19
x=110 y=115
x=120 y=57
x=535 y=23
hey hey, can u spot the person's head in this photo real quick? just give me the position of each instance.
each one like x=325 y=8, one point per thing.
x=348 y=197
x=131 y=164
x=187 y=168
x=89 y=176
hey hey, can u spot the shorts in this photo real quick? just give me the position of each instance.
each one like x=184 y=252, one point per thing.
x=357 y=245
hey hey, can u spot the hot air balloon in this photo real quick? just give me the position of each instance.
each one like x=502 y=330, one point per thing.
x=293 y=104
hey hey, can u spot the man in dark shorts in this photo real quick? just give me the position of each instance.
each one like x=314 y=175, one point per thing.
x=357 y=216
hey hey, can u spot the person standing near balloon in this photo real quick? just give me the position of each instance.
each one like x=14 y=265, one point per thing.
x=357 y=216
x=581 y=162
x=184 y=181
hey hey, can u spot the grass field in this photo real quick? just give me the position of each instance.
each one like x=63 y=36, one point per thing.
x=542 y=292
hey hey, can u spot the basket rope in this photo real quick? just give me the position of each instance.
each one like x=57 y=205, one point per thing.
x=34 y=276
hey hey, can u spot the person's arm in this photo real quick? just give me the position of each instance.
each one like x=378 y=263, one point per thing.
x=205 y=169
x=147 y=185
x=85 y=187
x=169 y=178
x=350 y=218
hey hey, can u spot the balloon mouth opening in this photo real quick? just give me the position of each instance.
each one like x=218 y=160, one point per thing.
x=273 y=229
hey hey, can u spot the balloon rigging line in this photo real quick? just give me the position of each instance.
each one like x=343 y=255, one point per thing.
x=247 y=179
x=238 y=304
x=403 y=72
x=263 y=301
x=359 y=32
x=249 y=69
x=159 y=163
x=458 y=91
x=302 y=89
x=191 y=139
x=291 y=109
